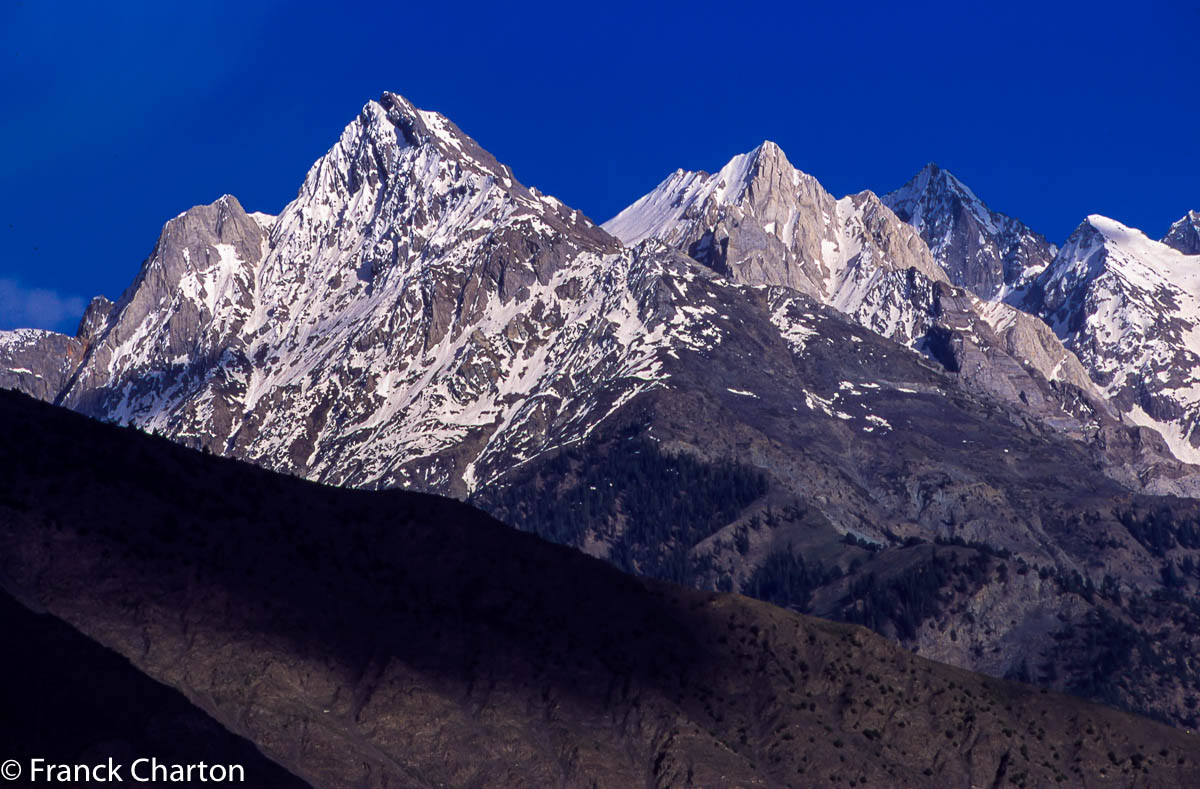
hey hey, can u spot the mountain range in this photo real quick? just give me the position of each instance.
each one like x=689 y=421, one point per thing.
x=1123 y=303
x=905 y=411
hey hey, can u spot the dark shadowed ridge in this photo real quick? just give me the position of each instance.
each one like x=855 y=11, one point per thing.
x=69 y=700
x=370 y=639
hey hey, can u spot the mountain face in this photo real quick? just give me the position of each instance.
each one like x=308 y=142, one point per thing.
x=759 y=221
x=375 y=639
x=747 y=380
x=1184 y=235
x=981 y=250
x=1128 y=307
x=411 y=309
x=417 y=317
x=1119 y=301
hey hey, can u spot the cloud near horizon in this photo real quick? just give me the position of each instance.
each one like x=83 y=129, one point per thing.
x=38 y=308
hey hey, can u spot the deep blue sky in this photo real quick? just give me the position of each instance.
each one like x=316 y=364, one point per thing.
x=117 y=116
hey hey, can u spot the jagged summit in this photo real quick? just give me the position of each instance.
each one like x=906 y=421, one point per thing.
x=933 y=177
x=94 y=320
x=406 y=117
x=423 y=127
x=766 y=162
x=1184 y=234
x=762 y=221
x=982 y=250
x=754 y=174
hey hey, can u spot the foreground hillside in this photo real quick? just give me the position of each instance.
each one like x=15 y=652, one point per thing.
x=69 y=700
x=392 y=639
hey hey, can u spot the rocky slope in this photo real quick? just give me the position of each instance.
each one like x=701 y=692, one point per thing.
x=984 y=251
x=69 y=700
x=391 y=639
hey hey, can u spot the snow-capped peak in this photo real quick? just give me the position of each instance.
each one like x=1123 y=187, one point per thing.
x=1102 y=246
x=1129 y=306
x=412 y=296
x=1135 y=248
x=1113 y=230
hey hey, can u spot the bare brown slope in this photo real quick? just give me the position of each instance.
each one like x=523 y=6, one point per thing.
x=390 y=639
x=69 y=700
